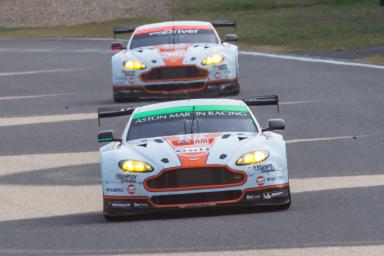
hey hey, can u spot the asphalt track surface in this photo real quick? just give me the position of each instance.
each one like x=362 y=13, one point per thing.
x=50 y=197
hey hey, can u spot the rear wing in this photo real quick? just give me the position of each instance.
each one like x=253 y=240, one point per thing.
x=123 y=30
x=113 y=112
x=263 y=101
x=224 y=23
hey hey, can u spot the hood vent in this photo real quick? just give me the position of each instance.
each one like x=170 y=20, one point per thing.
x=226 y=136
x=143 y=145
x=242 y=138
x=159 y=140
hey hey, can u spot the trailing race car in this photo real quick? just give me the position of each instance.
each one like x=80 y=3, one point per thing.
x=193 y=153
x=175 y=58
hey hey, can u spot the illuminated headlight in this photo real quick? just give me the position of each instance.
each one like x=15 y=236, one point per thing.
x=253 y=157
x=133 y=65
x=135 y=166
x=213 y=59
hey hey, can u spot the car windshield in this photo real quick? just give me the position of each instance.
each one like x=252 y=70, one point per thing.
x=173 y=35
x=191 y=119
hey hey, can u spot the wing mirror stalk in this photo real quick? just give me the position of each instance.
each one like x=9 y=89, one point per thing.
x=274 y=125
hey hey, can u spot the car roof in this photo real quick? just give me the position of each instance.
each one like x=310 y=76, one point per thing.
x=190 y=102
x=174 y=23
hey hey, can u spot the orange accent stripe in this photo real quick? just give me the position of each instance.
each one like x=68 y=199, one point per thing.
x=195 y=187
x=158 y=29
x=195 y=204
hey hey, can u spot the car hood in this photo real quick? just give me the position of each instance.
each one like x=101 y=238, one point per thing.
x=174 y=54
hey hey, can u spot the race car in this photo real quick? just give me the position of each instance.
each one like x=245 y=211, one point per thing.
x=193 y=153
x=176 y=58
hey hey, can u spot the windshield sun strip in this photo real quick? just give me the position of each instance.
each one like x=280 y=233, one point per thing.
x=173 y=110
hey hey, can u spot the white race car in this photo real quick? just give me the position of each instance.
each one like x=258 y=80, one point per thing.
x=193 y=153
x=175 y=58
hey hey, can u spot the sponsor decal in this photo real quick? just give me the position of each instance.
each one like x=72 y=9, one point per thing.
x=174 y=31
x=140 y=205
x=252 y=197
x=131 y=189
x=189 y=115
x=276 y=178
x=126 y=177
x=222 y=67
x=129 y=72
x=121 y=205
x=260 y=180
x=114 y=189
x=264 y=168
x=193 y=150
x=274 y=194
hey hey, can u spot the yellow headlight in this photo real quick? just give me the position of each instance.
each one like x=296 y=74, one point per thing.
x=253 y=157
x=213 y=59
x=133 y=65
x=135 y=166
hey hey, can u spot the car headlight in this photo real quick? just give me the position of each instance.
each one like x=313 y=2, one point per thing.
x=133 y=65
x=253 y=157
x=135 y=166
x=213 y=59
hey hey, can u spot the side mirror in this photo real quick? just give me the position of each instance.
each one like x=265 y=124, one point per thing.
x=106 y=136
x=275 y=124
x=231 y=38
x=117 y=47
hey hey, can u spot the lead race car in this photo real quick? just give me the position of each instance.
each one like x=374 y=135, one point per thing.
x=193 y=153
x=175 y=58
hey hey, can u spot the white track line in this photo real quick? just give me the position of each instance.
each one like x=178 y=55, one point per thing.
x=309 y=59
x=40 y=71
x=13 y=121
x=325 y=139
x=34 y=96
x=300 y=185
x=25 y=163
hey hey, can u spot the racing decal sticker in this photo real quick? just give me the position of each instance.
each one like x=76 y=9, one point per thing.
x=252 y=197
x=126 y=177
x=192 y=149
x=279 y=179
x=260 y=180
x=202 y=110
x=275 y=194
x=264 y=168
x=120 y=204
x=166 y=30
x=131 y=189
x=114 y=190
x=140 y=205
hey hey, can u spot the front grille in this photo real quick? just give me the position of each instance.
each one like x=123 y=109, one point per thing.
x=195 y=178
x=196 y=198
x=174 y=73
x=174 y=87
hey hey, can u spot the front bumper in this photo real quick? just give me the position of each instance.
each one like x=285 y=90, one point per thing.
x=176 y=90
x=276 y=195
